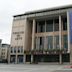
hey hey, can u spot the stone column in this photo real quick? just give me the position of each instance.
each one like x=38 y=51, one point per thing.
x=60 y=58
x=9 y=59
x=24 y=59
x=16 y=57
x=53 y=35
x=45 y=47
x=33 y=34
x=25 y=38
x=60 y=55
x=68 y=30
x=33 y=38
x=9 y=56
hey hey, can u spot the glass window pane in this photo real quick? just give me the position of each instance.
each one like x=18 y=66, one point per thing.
x=15 y=50
x=41 y=43
x=21 y=49
x=41 y=26
x=64 y=23
x=49 y=26
x=50 y=42
x=56 y=25
x=65 y=41
x=56 y=42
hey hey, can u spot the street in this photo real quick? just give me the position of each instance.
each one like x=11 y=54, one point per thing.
x=33 y=68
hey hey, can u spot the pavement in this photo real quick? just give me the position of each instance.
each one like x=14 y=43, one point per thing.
x=34 y=68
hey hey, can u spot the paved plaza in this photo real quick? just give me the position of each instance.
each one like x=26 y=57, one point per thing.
x=33 y=68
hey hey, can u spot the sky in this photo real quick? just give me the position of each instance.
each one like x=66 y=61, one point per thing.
x=9 y=8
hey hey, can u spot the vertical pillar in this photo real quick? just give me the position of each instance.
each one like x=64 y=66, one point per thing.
x=60 y=58
x=33 y=39
x=33 y=34
x=45 y=47
x=9 y=59
x=53 y=34
x=25 y=38
x=60 y=31
x=9 y=56
x=31 y=58
x=60 y=55
x=24 y=59
x=16 y=57
x=68 y=30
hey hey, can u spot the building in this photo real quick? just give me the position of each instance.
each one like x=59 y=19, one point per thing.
x=42 y=36
x=4 y=52
x=0 y=48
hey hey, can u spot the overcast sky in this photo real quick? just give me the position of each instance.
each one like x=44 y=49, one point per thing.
x=8 y=8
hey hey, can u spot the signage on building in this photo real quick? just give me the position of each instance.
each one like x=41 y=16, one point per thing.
x=18 y=35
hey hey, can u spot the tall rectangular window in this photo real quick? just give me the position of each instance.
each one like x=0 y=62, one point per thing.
x=36 y=27
x=64 y=23
x=19 y=49
x=50 y=42
x=11 y=49
x=36 y=43
x=56 y=25
x=65 y=41
x=41 y=26
x=40 y=43
x=56 y=41
x=49 y=26
x=15 y=50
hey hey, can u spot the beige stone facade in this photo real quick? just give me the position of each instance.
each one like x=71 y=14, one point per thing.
x=4 y=48
x=41 y=36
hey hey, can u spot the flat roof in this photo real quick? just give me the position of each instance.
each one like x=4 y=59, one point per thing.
x=45 y=10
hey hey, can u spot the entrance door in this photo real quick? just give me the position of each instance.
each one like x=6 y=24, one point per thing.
x=20 y=59
x=12 y=59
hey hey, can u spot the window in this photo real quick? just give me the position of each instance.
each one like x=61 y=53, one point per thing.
x=56 y=41
x=65 y=42
x=11 y=49
x=18 y=49
x=36 y=27
x=49 y=26
x=36 y=43
x=3 y=57
x=2 y=53
x=15 y=50
x=56 y=25
x=64 y=23
x=41 y=26
x=41 y=43
x=50 y=42
x=40 y=40
x=21 y=49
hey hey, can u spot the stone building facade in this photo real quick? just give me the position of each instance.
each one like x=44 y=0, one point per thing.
x=42 y=36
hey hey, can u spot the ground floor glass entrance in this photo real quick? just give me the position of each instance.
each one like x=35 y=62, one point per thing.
x=41 y=58
x=51 y=58
x=12 y=59
x=20 y=59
